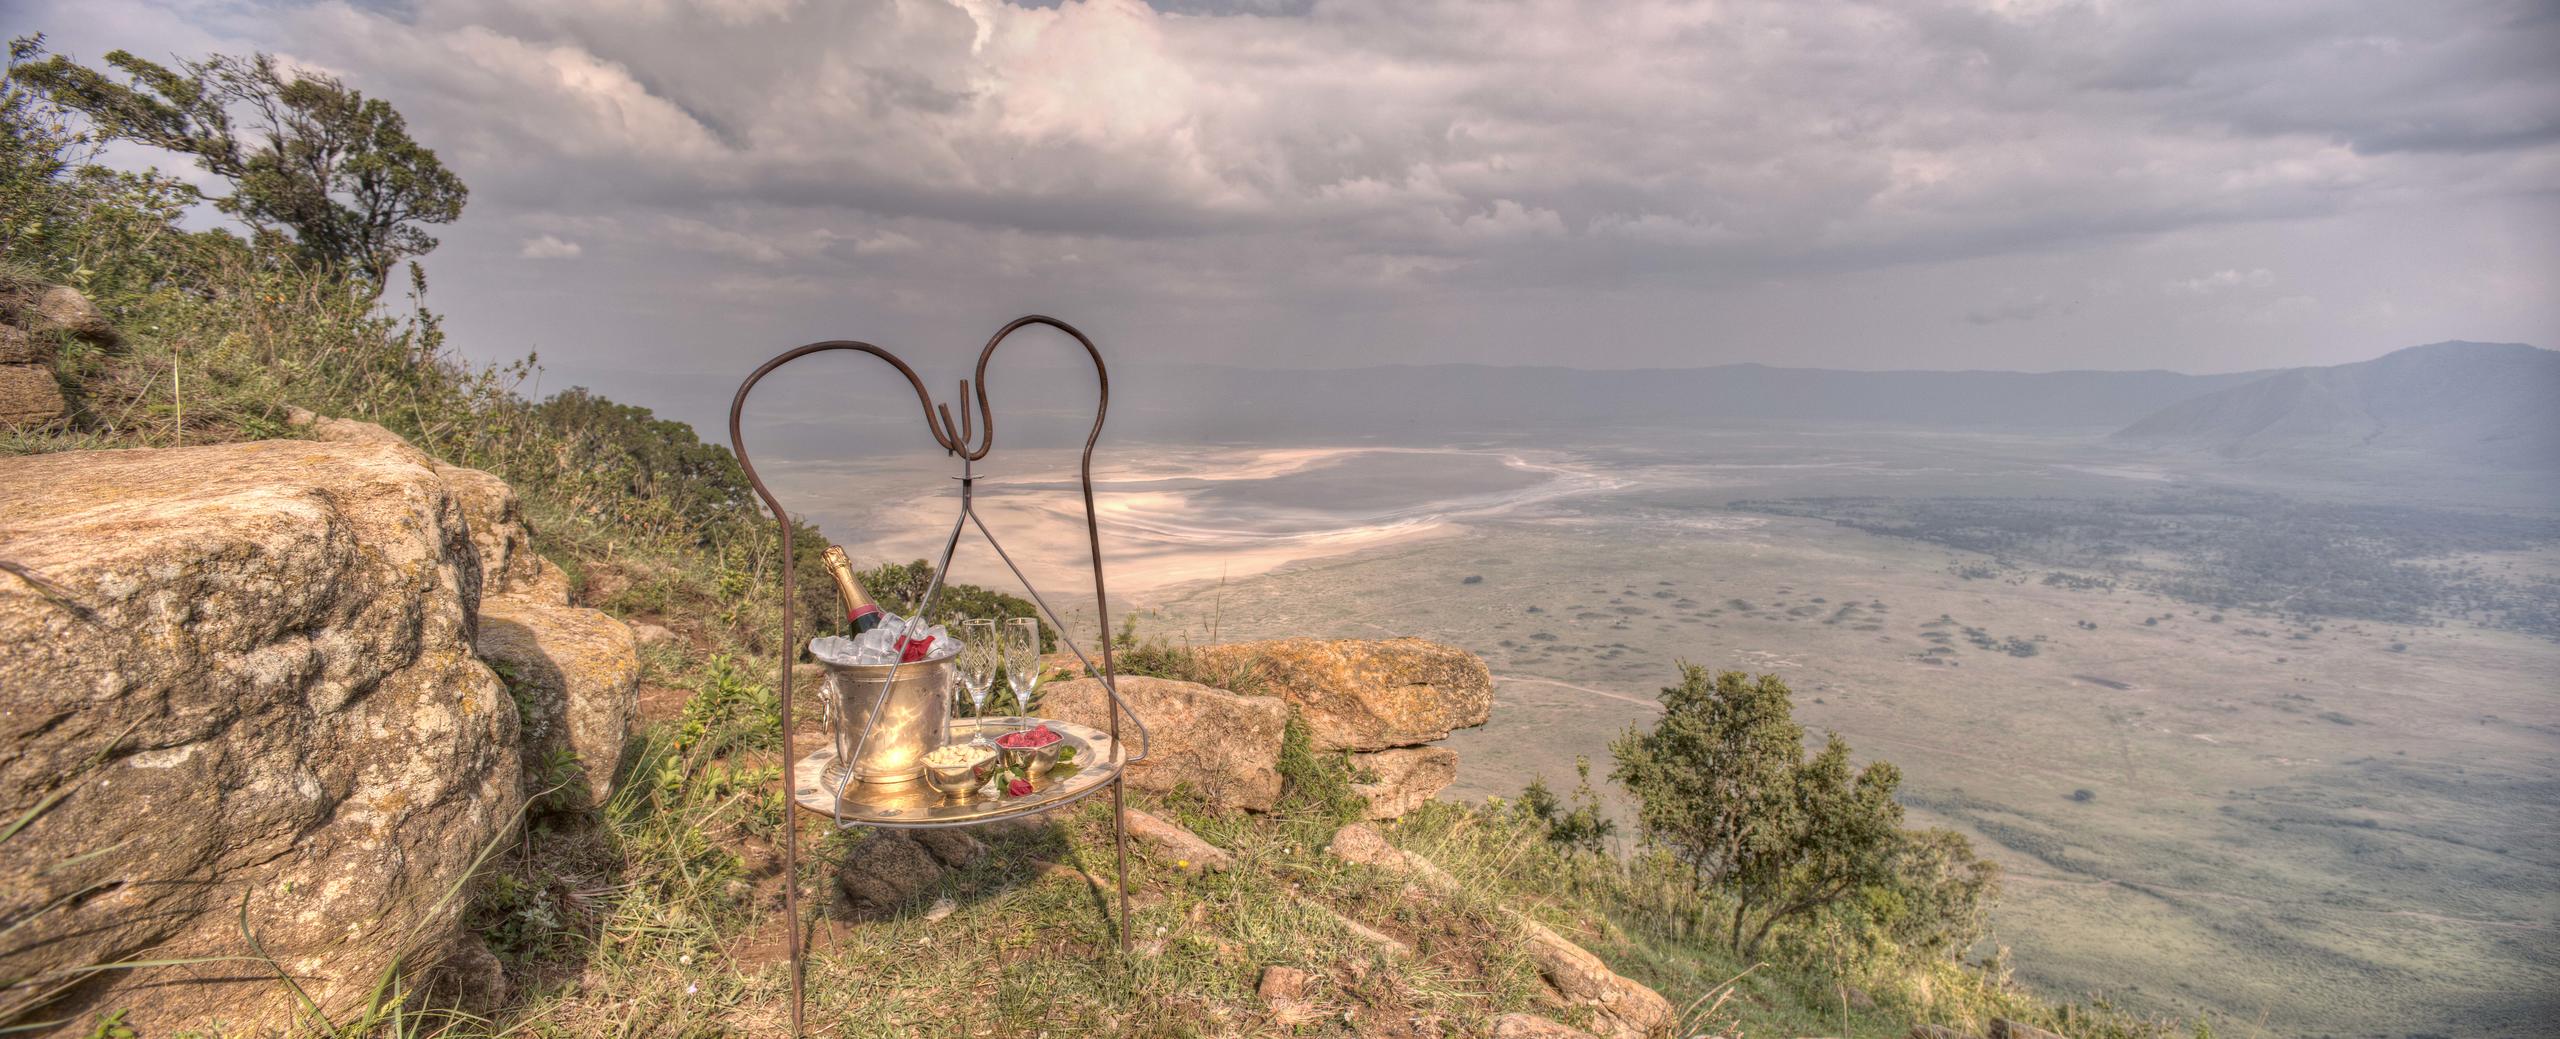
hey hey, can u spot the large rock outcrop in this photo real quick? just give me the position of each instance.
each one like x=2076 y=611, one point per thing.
x=1223 y=746
x=574 y=672
x=1372 y=694
x=239 y=676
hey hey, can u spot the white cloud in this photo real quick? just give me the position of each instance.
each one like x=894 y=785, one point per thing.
x=549 y=247
x=2221 y=281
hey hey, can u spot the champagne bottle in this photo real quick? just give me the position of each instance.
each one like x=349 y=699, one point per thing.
x=863 y=613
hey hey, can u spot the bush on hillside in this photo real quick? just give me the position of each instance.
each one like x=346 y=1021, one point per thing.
x=900 y=588
x=1723 y=785
x=1583 y=827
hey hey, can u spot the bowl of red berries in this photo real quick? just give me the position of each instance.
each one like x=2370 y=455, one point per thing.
x=1032 y=751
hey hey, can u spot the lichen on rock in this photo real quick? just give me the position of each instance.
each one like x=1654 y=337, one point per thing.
x=240 y=679
x=1371 y=694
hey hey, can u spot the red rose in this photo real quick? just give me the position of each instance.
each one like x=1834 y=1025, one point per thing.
x=1018 y=788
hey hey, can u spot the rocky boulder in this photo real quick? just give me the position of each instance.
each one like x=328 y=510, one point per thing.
x=28 y=395
x=1621 y=1008
x=575 y=675
x=238 y=676
x=1372 y=694
x=1184 y=848
x=508 y=564
x=61 y=309
x=17 y=347
x=574 y=672
x=883 y=873
x=1400 y=780
x=1531 y=1026
x=1223 y=746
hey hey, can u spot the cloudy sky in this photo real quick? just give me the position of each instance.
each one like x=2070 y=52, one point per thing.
x=664 y=191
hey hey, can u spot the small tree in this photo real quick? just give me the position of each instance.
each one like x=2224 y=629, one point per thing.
x=318 y=167
x=1714 y=778
x=1722 y=782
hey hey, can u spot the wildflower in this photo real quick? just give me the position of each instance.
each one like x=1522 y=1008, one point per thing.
x=690 y=989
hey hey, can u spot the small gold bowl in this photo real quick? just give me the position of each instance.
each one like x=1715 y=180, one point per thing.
x=1034 y=762
x=960 y=782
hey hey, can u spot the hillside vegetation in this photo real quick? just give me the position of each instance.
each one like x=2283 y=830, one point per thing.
x=658 y=912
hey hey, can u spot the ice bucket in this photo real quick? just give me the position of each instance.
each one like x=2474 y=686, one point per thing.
x=912 y=699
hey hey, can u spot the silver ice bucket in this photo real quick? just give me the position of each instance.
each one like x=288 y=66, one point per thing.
x=913 y=701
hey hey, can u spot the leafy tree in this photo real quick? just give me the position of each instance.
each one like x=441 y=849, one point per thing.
x=1723 y=784
x=65 y=218
x=1842 y=835
x=1713 y=780
x=313 y=165
x=36 y=153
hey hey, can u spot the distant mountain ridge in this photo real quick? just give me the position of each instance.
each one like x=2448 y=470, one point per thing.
x=2494 y=404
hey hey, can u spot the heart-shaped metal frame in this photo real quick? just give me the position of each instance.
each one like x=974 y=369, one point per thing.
x=954 y=438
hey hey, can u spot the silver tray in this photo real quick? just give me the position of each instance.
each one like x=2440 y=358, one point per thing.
x=915 y=805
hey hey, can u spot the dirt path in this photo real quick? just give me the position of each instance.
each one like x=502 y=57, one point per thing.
x=1526 y=680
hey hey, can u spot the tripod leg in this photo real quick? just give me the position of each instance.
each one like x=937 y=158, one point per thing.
x=1120 y=853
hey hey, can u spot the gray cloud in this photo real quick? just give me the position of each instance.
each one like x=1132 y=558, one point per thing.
x=1339 y=182
x=2017 y=310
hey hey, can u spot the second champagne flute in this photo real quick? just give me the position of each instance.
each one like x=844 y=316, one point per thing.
x=979 y=655
x=1022 y=662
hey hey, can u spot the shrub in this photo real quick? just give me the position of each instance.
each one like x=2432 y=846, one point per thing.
x=1583 y=827
x=900 y=588
x=1723 y=785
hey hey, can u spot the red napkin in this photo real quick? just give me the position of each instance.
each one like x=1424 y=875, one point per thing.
x=912 y=650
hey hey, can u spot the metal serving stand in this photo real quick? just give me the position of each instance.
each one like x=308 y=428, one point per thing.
x=1101 y=759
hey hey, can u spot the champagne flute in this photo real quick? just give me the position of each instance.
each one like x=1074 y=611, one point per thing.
x=1022 y=661
x=979 y=655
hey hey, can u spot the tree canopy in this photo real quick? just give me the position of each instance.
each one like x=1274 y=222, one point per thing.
x=313 y=164
x=1723 y=784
